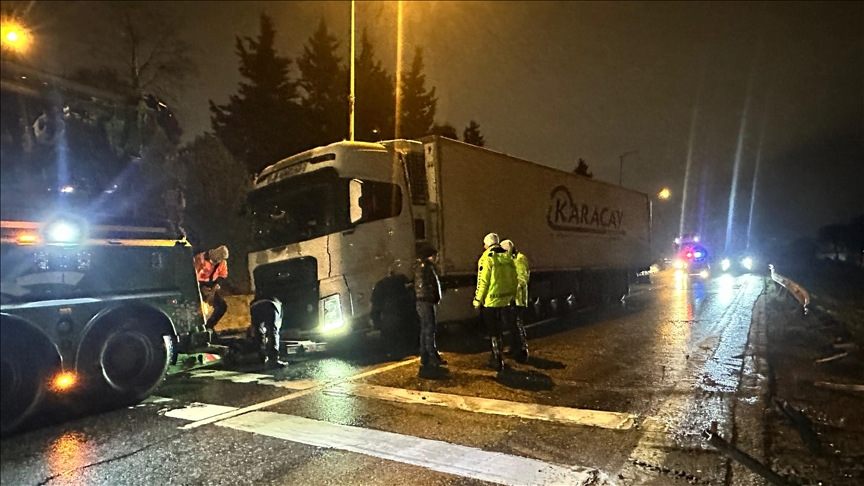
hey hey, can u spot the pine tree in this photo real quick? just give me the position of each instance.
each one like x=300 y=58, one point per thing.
x=582 y=169
x=375 y=99
x=472 y=134
x=325 y=84
x=418 y=105
x=446 y=130
x=257 y=123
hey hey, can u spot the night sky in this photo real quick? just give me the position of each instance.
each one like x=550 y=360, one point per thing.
x=552 y=82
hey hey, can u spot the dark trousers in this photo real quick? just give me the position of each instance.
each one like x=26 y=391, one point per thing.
x=495 y=319
x=266 y=323
x=428 y=328
x=516 y=326
x=220 y=307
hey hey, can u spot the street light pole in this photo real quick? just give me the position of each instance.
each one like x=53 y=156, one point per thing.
x=397 y=118
x=351 y=94
x=621 y=166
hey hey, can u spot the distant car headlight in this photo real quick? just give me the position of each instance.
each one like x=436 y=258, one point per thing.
x=330 y=313
x=725 y=264
x=680 y=264
x=704 y=274
x=747 y=263
x=64 y=232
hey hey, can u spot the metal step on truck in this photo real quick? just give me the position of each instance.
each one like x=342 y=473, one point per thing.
x=336 y=230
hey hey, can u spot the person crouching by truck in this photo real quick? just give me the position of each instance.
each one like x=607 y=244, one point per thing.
x=427 y=290
x=518 y=336
x=496 y=288
x=211 y=268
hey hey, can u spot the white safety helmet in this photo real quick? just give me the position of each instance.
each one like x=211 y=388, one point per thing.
x=508 y=245
x=491 y=239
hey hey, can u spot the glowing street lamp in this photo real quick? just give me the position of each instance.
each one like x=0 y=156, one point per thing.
x=14 y=36
x=664 y=194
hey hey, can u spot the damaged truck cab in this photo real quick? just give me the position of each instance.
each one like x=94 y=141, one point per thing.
x=330 y=225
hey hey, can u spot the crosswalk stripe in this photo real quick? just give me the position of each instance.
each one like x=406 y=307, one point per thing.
x=296 y=394
x=469 y=462
x=198 y=411
x=566 y=415
x=254 y=378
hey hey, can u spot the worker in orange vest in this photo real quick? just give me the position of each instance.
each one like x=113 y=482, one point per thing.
x=211 y=268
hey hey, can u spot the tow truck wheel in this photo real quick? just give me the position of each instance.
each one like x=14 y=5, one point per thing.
x=126 y=357
x=22 y=373
x=134 y=362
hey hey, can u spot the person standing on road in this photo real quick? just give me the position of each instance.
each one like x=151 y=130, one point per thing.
x=211 y=268
x=518 y=336
x=427 y=289
x=496 y=288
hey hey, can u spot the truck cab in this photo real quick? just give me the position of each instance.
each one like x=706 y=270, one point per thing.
x=332 y=225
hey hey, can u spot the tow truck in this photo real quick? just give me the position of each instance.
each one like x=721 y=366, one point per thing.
x=97 y=295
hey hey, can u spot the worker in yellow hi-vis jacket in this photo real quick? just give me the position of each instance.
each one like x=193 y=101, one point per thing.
x=518 y=336
x=496 y=288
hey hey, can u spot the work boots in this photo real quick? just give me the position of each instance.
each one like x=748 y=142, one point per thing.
x=519 y=342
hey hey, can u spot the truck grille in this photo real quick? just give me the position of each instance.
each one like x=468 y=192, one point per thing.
x=295 y=283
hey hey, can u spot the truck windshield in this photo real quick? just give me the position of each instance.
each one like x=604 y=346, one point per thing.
x=299 y=209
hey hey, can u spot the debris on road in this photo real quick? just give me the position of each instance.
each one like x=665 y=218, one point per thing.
x=742 y=457
x=802 y=424
x=832 y=358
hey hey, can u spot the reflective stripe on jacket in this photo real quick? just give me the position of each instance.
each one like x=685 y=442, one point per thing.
x=496 y=278
x=522 y=275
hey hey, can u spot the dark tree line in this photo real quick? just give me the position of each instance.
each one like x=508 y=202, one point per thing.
x=273 y=115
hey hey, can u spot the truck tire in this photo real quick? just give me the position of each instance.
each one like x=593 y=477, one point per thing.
x=126 y=360
x=23 y=371
x=399 y=324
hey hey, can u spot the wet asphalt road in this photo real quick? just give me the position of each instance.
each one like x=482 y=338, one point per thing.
x=663 y=367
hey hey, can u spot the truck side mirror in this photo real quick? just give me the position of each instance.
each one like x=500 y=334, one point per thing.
x=355 y=196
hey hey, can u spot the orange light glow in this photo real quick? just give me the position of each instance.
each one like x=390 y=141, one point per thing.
x=14 y=35
x=64 y=381
x=27 y=239
x=69 y=452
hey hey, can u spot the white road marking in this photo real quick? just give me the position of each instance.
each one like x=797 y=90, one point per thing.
x=297 y=394
x=198 y=411
x=469 y=462
x=566 y=415
x=254 y=378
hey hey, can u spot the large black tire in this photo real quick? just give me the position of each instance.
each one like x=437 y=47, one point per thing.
x=24 y=370
x=399 y=325
x=126 y=360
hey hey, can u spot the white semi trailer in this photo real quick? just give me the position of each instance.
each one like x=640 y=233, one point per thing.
x=336 y=224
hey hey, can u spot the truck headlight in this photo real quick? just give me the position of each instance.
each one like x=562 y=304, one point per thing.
x=747 y=263
x=330 y=312
x=64 y=232
x=725 y=264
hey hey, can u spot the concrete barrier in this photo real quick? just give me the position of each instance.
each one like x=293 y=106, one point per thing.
x=797 y=291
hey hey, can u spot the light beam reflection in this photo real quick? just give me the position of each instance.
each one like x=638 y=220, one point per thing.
x=725 y=288
x=69 y=452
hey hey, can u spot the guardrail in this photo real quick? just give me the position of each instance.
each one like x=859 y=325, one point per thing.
x=797 y=291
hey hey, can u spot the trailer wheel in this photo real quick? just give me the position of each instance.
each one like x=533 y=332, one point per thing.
x=24 y=367
x=127 y=357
